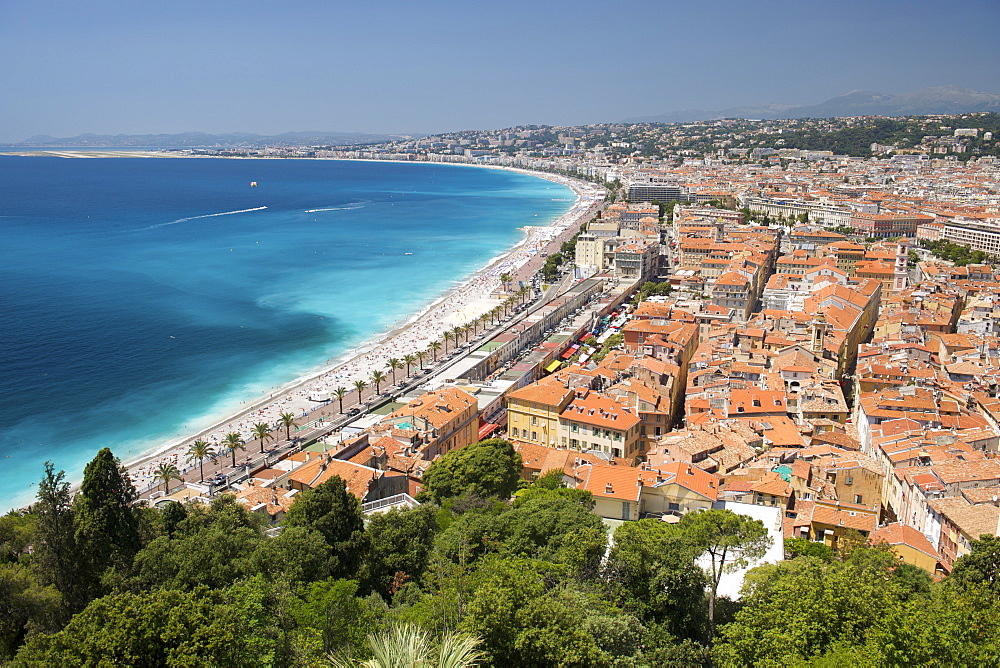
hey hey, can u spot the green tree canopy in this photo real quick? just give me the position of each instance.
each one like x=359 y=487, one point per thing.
x=210 y=547
x=946 y=628
x=729 y=541
x=803 y=608
x=487 y=468
x=981 y=567
x=26 y=607
x=523 y=608
x=399 y=547
x=803 y=547
x=17 y=530
x=651 y=573
x=154 y=628
x=558 y=530
x=107 y=526
x=55 y=556
x=332 y=612
x=336 y=514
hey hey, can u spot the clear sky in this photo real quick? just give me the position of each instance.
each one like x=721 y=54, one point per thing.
x=132 y=66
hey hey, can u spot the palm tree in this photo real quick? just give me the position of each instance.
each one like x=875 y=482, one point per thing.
x=447 y=336
x=407 y=645
x=435 y=347
x=340 y=393
x=422 y=356
x=360 y=386
x=198 y=451
x=166 y=472
x=262 y=430
x=393 y=364
x=235 y=443
x=466 y=328
x=504 y=280
x=408 y=360
x=377 y=377
x=456 y=332
x=287 y=420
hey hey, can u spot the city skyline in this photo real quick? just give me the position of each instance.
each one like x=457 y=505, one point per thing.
x=391 y=67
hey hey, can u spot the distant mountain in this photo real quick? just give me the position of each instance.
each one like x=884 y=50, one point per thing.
x=935 y=100
x=201 y=139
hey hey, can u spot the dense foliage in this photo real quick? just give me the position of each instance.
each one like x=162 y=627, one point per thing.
x=478 y=572
x=958 y=254
x=908 y=132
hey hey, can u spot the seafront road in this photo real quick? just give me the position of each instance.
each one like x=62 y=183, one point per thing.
x=326 y=419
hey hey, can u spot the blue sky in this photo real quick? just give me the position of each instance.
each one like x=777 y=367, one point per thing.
x=110 y=66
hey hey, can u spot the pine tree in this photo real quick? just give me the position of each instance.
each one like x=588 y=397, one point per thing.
x=55 y=554
x=107 y=526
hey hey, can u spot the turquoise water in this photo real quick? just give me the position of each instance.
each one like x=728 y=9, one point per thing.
x=145 y=298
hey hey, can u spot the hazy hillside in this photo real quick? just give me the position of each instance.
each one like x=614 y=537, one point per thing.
x=936 y=100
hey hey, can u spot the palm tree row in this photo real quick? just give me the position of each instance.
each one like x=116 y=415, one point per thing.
x=458 y=334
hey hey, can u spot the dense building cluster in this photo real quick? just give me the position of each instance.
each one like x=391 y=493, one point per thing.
x=763 y=333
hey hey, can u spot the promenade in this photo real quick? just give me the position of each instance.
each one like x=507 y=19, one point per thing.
x=477 y=296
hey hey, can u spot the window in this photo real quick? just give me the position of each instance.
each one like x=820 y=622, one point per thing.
x=564 y=441
x=534 y=436
x=858 y=500
x=574 y=427
x=534 y=420
x=575 y=443
x=514 y=432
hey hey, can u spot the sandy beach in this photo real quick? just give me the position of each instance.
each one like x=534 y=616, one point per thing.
x=477 y=295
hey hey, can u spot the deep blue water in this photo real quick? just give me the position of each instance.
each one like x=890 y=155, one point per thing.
x=141 y=298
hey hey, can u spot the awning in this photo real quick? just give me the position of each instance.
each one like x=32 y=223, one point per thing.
x=487 y=429
x=569 y=352
x=553 y=365
x=585 y=336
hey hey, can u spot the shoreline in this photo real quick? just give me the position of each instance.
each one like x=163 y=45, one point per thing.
x=465 y=300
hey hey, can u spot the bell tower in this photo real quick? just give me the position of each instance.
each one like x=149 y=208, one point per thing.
x=819 y=327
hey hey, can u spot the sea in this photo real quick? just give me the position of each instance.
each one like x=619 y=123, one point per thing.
x=144 y=299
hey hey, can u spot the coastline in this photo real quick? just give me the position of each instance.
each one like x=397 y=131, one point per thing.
x=465 y=300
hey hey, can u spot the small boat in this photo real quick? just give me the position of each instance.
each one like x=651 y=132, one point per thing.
x=253 y=184
x=407 y=253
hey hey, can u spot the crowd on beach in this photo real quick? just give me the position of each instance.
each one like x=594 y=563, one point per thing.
x=464 y=304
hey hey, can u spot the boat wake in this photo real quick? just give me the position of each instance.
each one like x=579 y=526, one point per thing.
x=207 y=215
x=349 y=207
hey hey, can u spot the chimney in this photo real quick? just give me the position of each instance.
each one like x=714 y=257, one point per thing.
x=608 y=489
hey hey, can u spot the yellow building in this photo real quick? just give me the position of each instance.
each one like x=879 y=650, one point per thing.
x=911 y=546
x=533 y=411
